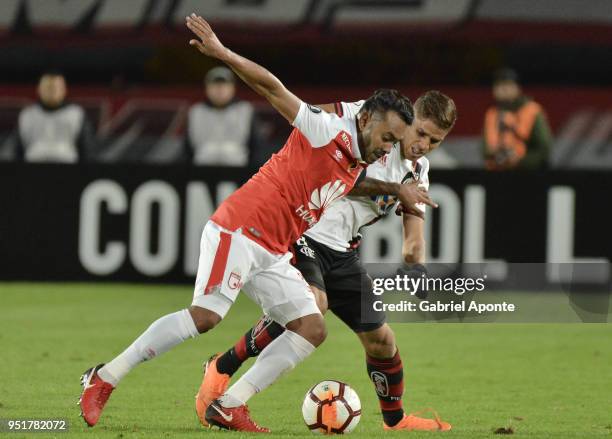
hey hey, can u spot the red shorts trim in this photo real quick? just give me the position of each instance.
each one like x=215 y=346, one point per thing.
x=219 y=263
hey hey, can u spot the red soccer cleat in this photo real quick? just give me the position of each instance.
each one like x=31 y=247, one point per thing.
x=94 y=396
x=232 y=418
x=214 y=384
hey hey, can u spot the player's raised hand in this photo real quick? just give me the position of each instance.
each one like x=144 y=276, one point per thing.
x=208 y=43
x=411 y=194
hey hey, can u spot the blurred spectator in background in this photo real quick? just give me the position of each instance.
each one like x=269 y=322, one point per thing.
x=516 y=131
x=221 y=130
x=53 y=130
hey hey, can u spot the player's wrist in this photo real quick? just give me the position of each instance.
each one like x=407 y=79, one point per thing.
x=395 y=188
x=225 y=55
x=414 y=267
x=414 y=271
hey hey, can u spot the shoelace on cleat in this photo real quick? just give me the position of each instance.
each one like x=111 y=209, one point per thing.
x=429 y=410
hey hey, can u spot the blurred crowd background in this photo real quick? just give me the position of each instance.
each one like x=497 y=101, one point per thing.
x=118 y=139
x=115 y=81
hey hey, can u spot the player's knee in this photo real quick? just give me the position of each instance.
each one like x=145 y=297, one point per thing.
x=321 y=298
x=319 y=334
x=311 y=327
x=204 y=319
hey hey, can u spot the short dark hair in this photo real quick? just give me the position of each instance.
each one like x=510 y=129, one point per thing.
x=438 y=108
x=386 y=99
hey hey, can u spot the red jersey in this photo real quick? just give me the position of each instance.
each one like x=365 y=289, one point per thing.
x=319 y=163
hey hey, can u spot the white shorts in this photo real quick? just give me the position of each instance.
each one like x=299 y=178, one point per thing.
x=230 y=262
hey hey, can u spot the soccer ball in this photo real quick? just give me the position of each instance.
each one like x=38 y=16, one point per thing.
x=331 y=407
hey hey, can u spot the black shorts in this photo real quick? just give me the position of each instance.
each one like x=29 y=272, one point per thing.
x=343 y=278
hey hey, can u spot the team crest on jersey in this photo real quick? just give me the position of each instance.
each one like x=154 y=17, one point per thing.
x=314 y=109
x=234 y=281
x=415 y=174
x=304 y=248
x=410 y=177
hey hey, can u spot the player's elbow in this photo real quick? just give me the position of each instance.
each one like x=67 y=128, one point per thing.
x=270 y=87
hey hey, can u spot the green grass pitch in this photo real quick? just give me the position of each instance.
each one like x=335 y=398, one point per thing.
x=545 y=381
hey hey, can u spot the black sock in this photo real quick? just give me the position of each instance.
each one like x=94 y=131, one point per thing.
x=249 y=345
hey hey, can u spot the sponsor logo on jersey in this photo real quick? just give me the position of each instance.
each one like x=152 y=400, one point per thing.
x=306 y=215
x=323 y=197
x=320 y=199
x=347 y=141
x=314 y=109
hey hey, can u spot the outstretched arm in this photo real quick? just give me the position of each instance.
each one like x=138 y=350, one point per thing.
x=409 y=194
x=413 y=246
x=254 y=75
x=413 y=252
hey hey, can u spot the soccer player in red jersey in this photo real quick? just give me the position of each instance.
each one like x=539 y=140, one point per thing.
x=245 y=244
x=327 y=258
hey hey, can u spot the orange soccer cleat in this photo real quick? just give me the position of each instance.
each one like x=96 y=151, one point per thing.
x=412 y=422
x=214 y=384
x=232 y=418
x=94 y=396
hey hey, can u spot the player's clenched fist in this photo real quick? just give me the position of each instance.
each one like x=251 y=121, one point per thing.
x=208 y=42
